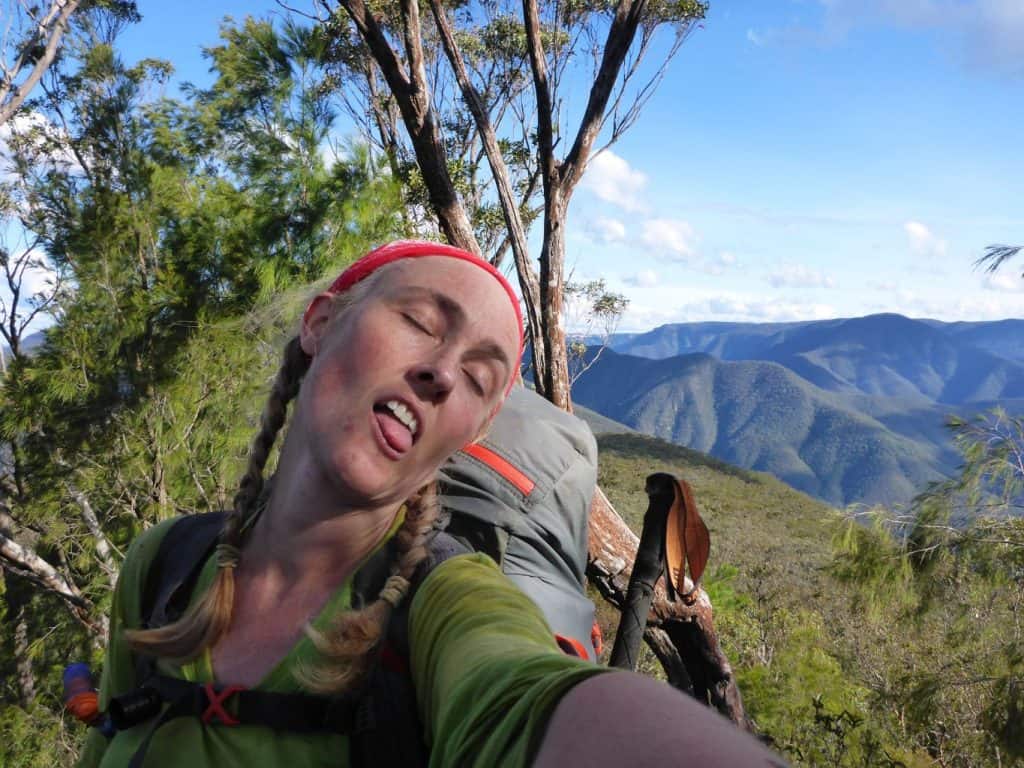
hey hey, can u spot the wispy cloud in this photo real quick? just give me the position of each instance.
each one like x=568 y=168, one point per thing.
x=606 y=230
x=645 y=278
x=613 y=180
x=1006 y=282
x=671 y=238
x=984 y=34
x=720 y=263
x=923 y=241
x=799 y=276
x=725 y=307
x=41 y=136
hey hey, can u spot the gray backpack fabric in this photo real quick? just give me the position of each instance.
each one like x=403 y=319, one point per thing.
x=522 y=495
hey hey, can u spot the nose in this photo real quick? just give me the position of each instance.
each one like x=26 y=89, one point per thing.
x=433 y=379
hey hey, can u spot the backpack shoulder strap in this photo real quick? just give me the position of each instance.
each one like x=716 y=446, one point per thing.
x=388 y=733
x=173 y=572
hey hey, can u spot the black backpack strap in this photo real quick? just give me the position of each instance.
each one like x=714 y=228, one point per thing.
x=388 y=732
x=172 y=575
x=173 y=572
x=234 y=705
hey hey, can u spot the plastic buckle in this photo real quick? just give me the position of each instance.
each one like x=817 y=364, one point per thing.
x=215 y=704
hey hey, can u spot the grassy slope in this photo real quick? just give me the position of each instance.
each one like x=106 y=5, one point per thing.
x=770 y=582
x=755 y=520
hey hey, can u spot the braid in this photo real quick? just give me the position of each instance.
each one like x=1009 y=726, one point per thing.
x=208 y=619
x=349 y=648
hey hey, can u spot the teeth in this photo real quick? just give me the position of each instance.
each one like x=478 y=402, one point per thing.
x=403 y=414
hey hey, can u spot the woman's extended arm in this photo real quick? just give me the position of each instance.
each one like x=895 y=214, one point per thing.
x=494 y=689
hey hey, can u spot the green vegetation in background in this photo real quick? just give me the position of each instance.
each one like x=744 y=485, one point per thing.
x=187 y=234
x=847 y=649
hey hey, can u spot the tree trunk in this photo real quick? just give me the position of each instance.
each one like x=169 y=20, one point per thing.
x=552 y=297
x=499 y=170
x=50 y=30
x=23 y=662
x=411 y=91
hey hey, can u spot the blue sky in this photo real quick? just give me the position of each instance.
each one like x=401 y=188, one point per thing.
x=802 y=159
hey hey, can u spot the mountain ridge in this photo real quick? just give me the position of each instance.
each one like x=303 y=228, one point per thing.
x=851 y=410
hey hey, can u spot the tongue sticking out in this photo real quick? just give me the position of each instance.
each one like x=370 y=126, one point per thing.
x=395 y=432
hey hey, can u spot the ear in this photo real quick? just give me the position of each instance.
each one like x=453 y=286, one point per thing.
x=314 y=323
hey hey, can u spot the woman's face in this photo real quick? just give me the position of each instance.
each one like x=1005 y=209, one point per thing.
x=405 y=376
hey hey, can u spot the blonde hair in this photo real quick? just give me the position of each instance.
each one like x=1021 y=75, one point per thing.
x=348 y=647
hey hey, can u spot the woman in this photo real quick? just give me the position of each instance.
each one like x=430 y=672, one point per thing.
x=405 y=359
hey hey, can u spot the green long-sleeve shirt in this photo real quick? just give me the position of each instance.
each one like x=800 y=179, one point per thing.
x=485 y=666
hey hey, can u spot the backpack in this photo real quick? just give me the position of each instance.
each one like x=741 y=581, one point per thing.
x=522 y=495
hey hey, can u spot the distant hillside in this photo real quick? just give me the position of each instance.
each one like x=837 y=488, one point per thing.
x=1004 y=338
x=886 y=355
x=601 y=425
x=764 y=417
x=28 y=343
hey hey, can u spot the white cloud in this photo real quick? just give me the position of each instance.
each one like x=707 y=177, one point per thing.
x=613 y=180
x=645 y=278
x=672 y=238
x=800 y=276
x=723 y=261
x=922 y=241
x=1007 y=282
x=644 y=313
x=606 y=230
x=982 y=34
x=755 y=38
x=39 y=134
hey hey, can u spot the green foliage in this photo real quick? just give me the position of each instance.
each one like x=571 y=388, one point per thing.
x=190 y=233
x=36 y=738
x=821 y=619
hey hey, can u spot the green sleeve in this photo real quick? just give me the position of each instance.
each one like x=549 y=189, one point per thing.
x=487 y=670
x=118 y=674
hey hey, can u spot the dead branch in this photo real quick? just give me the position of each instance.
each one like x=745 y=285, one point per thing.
x=104 y=550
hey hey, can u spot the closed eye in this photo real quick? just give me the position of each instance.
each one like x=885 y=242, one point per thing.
x=417 y=324
x=474 y=383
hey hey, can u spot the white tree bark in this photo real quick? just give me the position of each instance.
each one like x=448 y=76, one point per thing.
x=104 y=550
x=48 y=31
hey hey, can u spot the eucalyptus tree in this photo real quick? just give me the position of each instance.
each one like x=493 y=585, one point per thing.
x=31 y=39
x=492 y=134
x=473 y=106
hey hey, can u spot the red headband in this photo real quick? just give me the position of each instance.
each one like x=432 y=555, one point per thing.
x=407 y=249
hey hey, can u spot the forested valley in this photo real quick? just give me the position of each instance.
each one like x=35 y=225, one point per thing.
x=171 y=243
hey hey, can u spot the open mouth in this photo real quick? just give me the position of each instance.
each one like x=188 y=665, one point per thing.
x=397 y=423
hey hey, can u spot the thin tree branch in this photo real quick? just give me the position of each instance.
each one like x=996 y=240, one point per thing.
x=52 y=29
x=620 y=37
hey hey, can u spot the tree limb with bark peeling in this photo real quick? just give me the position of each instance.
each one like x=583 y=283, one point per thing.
x=32 y=36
